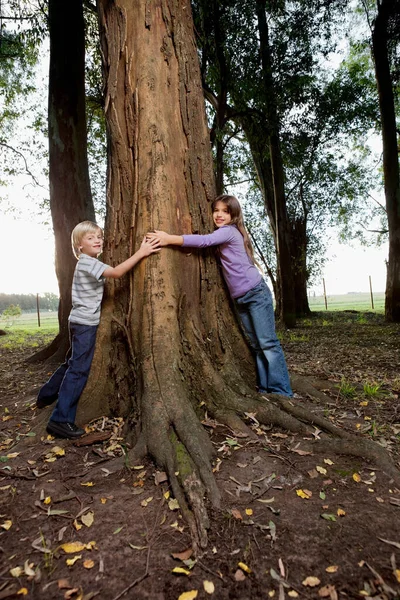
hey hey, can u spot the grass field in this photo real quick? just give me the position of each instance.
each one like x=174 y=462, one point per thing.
x=361 y=302
x=28 y=322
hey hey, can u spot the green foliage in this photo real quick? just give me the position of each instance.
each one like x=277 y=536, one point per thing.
x=10 y=314
x=347 y=389
x=325 y=116
x=372 y=390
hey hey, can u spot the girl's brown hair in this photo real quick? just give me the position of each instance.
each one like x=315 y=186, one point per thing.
x=235 y=210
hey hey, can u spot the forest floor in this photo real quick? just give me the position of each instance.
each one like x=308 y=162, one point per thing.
x=293 y=524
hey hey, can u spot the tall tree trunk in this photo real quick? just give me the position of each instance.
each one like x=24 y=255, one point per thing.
x=387 y=10
x=70 y=195
x=299 y=266
x=281 y=217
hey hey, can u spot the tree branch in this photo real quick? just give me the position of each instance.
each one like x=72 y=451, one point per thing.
x=28 y=171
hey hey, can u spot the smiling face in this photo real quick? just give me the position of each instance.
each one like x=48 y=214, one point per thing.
x=221 y=214
x=92 y=243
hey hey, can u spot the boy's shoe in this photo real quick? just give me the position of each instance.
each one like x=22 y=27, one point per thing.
x=64 y=430
x=46 y=401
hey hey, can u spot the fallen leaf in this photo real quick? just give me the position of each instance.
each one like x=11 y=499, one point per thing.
x=311 y=581
x=22 y=592
x=88 y=564
x=7 y=524
x=51 y=459
x=173 y=504
x=183 y=555
x=249 y=512
x=58 y=451
x=88 y=484
x=341 y=512
x=103 y=500
x=236 y=513
x=47 y=500
x=331 y=569
x=267 y=500
x=322 y=495
x=137 y=467
x=397 y=574
x=244 y=567
x=64 y=584
x=321 y=470
x=293 y=594
x=88 y=518
x=356 y=477
x=160 y=477
x=328 y=461
x=118 y=530
x=77 y=525
x=71 y=561
x=180 y=571
x=208 y=586
x=28 y=569
x=144 y=503
x=306 y=494
x=13 y=455
x=188 y=595
x=73 y=592
x=16 y=572
x=71 y=547
x=239 y=575
x=328 y=517
x=301 y=452
x=313 y=473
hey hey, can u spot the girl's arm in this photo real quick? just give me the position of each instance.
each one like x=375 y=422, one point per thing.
x=147 y=247
x=165 y=239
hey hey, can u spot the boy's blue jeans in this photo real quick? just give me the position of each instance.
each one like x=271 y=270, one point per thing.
x=68 y=382
x=256 y=312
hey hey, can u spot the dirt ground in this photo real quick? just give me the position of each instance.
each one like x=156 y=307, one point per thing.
x=292 y=525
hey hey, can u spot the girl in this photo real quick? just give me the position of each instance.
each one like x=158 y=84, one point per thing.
x=247 y=288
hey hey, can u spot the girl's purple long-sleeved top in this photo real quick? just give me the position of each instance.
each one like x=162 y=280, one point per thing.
x=239 y=272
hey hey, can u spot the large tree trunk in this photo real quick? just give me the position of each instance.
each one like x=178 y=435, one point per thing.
x=70 y=195
x=168 y=350
x=288 y=312
x=299 y=242
x=387 y=10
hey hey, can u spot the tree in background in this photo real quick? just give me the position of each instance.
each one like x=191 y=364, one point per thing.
x=385 y=46
x=267 y=71
x=70 y=193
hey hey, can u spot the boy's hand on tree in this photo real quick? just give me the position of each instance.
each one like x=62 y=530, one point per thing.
x=149 y=246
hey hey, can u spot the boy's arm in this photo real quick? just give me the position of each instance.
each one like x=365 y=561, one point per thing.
x=165 y=239
x=147 y=247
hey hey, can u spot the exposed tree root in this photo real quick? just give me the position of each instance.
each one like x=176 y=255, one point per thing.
x=171 y=432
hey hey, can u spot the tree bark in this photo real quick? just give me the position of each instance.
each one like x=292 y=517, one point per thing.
x=387 y=10
x=70 y=195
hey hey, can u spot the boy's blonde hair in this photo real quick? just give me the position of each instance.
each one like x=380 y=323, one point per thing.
x=79 y=231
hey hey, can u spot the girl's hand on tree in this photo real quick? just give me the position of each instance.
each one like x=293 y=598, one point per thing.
x=162 y=237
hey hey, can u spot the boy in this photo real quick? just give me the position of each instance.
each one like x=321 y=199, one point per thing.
x=67 y=383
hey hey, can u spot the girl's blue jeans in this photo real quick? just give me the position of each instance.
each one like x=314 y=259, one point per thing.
x=256 y=312
x=67 y=383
